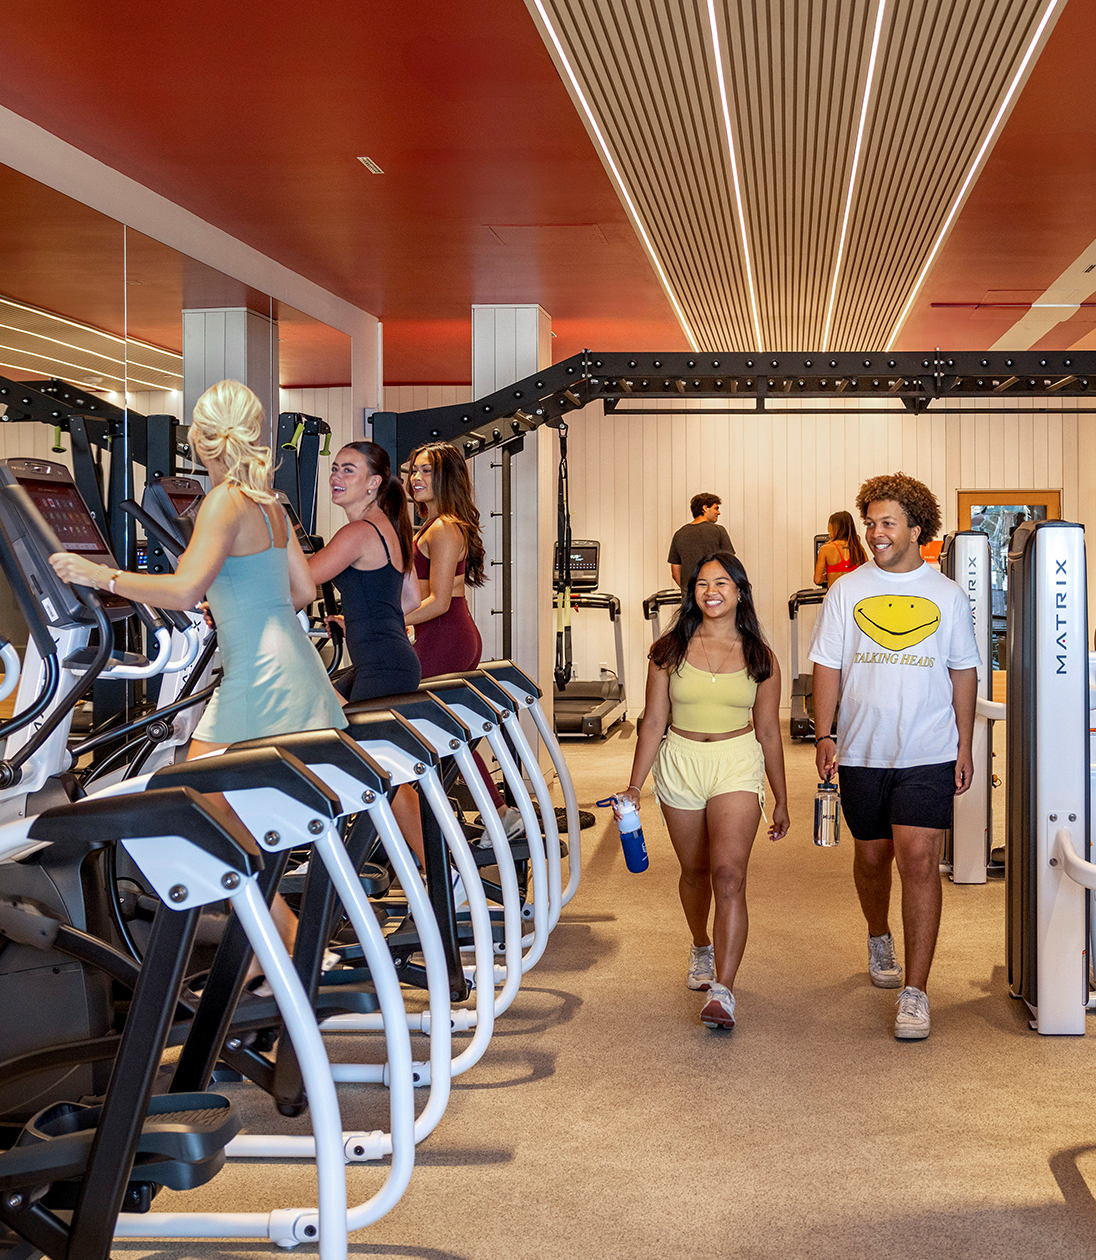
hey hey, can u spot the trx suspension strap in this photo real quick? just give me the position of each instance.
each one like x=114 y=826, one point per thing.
x=562 y=575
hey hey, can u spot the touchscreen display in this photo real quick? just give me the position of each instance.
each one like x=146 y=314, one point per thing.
x=66 y=515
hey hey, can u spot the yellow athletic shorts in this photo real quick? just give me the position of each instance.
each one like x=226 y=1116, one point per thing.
x=689 y=772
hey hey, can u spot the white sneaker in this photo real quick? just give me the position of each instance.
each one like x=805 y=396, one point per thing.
x=883 y=965
x=701 y=971
x=718 y=1011
x=460 y=896
x=512 y=825
x=912 y=1022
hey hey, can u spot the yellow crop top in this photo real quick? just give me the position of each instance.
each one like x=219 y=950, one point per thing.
x=707 y=706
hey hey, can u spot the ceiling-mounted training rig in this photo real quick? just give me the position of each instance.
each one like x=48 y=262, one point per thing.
x=926 y=383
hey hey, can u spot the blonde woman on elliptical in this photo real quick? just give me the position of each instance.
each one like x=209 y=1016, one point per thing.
x=245 y=559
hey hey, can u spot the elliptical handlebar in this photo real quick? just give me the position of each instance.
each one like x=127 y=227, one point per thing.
x=9 y=767
x=9 y=657
x=167 y=540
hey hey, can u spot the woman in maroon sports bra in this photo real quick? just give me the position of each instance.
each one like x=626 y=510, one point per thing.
x=448 y=556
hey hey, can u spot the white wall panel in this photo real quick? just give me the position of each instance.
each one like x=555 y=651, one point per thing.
x=332 y=403
x=780 y=477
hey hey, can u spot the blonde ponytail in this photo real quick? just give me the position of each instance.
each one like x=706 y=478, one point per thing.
x=226 y=427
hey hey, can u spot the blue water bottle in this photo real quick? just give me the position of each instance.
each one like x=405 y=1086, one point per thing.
x=631 y=833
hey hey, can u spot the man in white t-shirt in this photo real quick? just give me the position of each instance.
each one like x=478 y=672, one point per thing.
x=895 y=642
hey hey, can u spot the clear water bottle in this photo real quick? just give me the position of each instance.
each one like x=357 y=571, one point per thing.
x=827 y=815
x=631 y=833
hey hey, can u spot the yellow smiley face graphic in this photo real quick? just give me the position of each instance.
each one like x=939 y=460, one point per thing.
x=896 y=621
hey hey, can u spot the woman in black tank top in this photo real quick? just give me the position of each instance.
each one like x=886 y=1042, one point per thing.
x=369 y=561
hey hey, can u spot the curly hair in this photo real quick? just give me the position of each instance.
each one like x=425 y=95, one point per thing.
x=912 y=496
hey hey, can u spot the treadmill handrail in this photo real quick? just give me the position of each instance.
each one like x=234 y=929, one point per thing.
x=596 y=599
x=664 y=598
x=799 y=599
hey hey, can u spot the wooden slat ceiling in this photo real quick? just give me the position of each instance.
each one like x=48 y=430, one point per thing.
x=795 y=74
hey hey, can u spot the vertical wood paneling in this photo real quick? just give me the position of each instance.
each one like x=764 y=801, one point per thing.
x=780 y=477
x=333 y=404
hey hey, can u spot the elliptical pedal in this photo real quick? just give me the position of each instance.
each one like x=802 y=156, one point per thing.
x=181 y=1146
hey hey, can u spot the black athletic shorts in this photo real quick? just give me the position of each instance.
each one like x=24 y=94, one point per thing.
x=875 y=800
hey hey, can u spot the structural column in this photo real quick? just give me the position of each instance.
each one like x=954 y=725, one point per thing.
x=509 y=343
x=231 y=343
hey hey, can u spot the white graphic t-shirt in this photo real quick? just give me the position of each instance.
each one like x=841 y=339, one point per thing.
x=894 y=637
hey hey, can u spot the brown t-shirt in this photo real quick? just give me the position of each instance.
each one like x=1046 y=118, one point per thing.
x=695 y=540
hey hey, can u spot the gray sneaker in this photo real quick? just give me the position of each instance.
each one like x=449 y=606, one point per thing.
x=701 y=967
x=883 y=966
x=718 y=1011
x=912 y=1022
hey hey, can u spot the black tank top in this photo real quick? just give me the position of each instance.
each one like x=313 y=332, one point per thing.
x=384 y=661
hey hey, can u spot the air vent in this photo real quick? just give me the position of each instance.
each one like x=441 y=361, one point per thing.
x=370 y=166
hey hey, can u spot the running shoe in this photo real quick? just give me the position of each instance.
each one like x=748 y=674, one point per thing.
x=701 y=971
x=718 y=1011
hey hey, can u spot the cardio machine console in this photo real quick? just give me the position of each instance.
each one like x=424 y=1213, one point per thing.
x=174 y=503
x=42 y=512
x=585 y=555
x=303 y=538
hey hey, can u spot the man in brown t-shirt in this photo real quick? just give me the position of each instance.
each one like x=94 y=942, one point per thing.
x=700 y=537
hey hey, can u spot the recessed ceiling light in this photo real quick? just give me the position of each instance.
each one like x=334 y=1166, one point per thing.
x=370 y=166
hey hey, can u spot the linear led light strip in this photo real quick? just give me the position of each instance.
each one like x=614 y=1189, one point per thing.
x=24 y=332
x=852 y=173
x=50 y=360
x=734 y=171
x=983 y=150
x=609 y=161
x=72 y=323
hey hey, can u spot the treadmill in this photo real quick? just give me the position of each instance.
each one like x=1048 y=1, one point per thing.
x=802 y=715
x=589 y=707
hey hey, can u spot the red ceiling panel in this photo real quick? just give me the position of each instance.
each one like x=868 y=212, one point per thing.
x=253 y=117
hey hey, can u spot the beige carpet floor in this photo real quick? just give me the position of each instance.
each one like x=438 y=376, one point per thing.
x=606 y=1121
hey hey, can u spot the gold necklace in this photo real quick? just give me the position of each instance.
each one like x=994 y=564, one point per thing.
x=707 y=659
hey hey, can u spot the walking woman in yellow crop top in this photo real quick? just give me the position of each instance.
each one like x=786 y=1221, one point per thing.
x=711 y=734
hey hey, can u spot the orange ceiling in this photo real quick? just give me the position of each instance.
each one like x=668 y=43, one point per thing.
x=253 y=115
x=1032 y=211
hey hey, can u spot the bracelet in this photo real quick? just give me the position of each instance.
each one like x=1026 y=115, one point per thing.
x=821 y=738
x=116 y=575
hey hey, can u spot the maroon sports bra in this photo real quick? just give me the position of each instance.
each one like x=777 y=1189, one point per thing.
x=422 y=563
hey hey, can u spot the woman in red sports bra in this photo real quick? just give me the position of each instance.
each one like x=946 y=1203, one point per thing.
x=843 y=553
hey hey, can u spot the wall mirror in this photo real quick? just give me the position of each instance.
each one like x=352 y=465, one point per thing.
x=997 y=513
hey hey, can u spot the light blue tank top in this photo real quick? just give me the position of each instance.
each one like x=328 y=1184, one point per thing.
x=274 y=681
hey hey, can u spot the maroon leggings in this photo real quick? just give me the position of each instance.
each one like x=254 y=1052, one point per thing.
x=451 y=644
